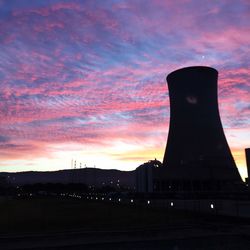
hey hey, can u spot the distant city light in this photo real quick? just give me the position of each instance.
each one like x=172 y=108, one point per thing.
x=171 y=204
x=131 y=200
x=119 y=199
x=212 y=205
x=148 y=202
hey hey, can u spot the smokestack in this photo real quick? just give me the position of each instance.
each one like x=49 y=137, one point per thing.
x=196 y=147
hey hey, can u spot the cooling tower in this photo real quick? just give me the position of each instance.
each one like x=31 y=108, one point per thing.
x=196 y=147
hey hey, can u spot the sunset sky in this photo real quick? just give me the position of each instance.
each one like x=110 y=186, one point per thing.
x=86 y=80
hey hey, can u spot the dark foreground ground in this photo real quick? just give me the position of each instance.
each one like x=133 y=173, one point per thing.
x=57 y=223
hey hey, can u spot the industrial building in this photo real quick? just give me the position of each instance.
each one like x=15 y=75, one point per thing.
x=145 y=176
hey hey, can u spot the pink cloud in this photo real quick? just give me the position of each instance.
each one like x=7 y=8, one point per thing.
x=73 y=72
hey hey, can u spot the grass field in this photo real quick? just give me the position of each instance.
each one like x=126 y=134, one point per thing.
x=52 y=214
x=68 y=223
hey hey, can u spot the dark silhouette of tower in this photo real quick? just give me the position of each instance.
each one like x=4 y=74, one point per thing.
x=247 y=152
x=196 y=147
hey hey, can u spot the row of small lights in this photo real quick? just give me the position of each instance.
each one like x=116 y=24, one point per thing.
x=131 y=201
x=75 y=196
x=110 y=199
x=148 y=201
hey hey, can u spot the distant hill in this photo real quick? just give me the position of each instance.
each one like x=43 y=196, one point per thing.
x=89 y=176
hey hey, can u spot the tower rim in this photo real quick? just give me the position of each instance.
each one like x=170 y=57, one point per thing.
x=187 y=69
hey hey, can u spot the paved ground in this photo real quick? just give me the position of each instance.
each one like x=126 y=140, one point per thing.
x=188 y=237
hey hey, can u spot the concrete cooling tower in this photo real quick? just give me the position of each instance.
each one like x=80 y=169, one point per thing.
x=197 y=149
